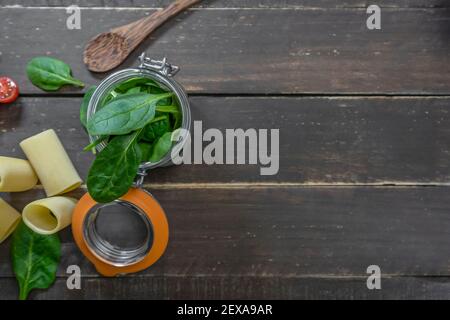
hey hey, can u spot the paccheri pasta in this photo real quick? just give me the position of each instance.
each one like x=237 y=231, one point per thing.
x=51 y=163
x=16 y=175
x=50 y=215
x=9 y=219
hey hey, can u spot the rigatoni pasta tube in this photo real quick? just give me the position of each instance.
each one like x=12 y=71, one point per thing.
x=16 y=175
x=50 y=215
x=9 y=219
x=51 y=163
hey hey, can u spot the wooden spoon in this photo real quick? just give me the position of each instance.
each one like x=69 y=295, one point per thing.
x=108 y=50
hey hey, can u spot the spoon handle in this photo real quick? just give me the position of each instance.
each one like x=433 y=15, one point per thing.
x=137 y=31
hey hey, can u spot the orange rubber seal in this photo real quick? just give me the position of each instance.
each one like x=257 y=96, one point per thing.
x=151 y=209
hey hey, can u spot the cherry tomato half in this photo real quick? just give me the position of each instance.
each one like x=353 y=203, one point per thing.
x=9 y=91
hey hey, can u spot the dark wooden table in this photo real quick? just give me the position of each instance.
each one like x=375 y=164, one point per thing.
x=364 y=146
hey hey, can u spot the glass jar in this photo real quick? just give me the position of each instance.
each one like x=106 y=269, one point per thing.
x=161 y=72
x=109 y=257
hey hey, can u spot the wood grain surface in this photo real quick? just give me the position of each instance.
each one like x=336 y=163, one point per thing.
x=277 y=234
x=283 y=4
x=108 y=50
x=237 y=51
x=323 y=140
x=216 y=287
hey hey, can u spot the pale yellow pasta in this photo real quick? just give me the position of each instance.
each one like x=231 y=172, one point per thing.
x=9 y=219
x=16 y=175
x=51 y=163
x=50 y=215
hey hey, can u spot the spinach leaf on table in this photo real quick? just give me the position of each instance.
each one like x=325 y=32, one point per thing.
x=35 y=259
x=161 y=147
x=85 y=104
x=115 y=168
x=125 y=114
x=50 y=74
x=156 y=128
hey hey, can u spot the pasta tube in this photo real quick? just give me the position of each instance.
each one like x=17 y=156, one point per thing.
x=16 y=175
x=51 y=163
x=9 y=219
x=50 y=215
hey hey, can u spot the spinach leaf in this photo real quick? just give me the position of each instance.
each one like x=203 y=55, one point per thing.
x=156 y=128
x=145 y=85
x=35 y=259
x=161 y=147
x=175 y=114
x=111 y=96
x=153 y=88
x=168 y=109
x=146 y=151
x=125 y=114
x=165 y=102
x=50 y=74
x=114 y=168
x=134 y=90
x=85 y=104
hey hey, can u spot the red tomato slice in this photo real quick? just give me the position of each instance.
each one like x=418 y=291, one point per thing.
x=9 y=91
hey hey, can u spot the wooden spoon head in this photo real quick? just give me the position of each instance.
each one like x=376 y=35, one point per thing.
x=106 y=51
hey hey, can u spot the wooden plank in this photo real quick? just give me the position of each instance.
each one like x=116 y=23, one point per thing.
x=236 y=51
x=288 y=232
x=199 y=288
x=285 y=4
x=323 y=140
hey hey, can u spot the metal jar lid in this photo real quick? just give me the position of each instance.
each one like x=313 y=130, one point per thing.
x=108 y=259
